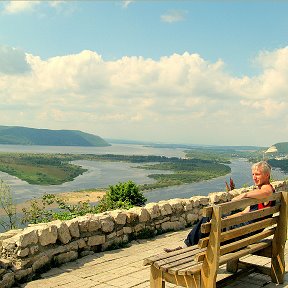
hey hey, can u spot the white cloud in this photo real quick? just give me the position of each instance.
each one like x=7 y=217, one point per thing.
x=180 y=97
x=174 y=16
x=13 y=7
x=126 y=3
x=16 y=7
x=12 y=61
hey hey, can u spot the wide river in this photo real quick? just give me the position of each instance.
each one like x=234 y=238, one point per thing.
x=103 y=174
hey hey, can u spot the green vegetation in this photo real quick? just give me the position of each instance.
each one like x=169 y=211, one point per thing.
x=30 y=136
x=8 y=206
x=51 y=169
x=123 y=195
x=187 y=171
x=42 y=212
x=282 y=147
x=282 y=164
x=42 y=169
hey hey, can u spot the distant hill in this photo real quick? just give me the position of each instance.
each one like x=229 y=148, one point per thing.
x=282 y=147
x=279 y=148
x=30 y=136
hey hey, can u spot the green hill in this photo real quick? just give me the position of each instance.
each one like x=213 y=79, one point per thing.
x=31 y=136
x=282 y=147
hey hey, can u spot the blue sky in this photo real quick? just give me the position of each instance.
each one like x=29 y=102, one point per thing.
x=195 y=72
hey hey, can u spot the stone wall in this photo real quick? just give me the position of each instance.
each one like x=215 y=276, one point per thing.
x=30 y=251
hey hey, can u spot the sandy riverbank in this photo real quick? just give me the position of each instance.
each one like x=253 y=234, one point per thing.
x=69 y=197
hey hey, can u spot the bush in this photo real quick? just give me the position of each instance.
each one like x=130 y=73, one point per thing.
x=122 y=195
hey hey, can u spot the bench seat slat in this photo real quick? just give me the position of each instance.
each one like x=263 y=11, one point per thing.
x=150 y=260
x=184 y=267
x=174 y=260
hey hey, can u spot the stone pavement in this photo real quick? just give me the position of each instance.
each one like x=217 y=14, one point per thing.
x=123 y=268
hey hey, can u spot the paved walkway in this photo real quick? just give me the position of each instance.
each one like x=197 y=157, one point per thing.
x=123 y=268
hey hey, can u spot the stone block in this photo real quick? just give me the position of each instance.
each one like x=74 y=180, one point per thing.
x=81 y=243
x=153 y=210
x=63 y=232
x=66 y=257
x=47 y=234
x=7 y=280
x=73 y=226
x=40 y=262
x=23 y=252
x=119 y=217
x=127 y=230
x=20 y=274
x=27 y=237
x=165 y=209
x=96 y=240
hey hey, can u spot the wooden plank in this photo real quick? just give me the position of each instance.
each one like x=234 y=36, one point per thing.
x=237 y=232
x=243 y=203
x=211 y=260
x=205 y=228
x=227 y=207
x=243 y=252
x=207 y=211
x=250 y=228
x=173 y=258
x=165 y=264
x=191 y=281
x=228 y=248
x=184 y=267
x=250 y=216
x=150 y=260
x=156 y=280
x=278 y=243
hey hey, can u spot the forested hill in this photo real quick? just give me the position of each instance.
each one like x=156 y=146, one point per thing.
x=282 y=147
x=31 y=136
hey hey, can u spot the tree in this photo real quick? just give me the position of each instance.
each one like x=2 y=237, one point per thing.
x=122 y=195
x=8 y=206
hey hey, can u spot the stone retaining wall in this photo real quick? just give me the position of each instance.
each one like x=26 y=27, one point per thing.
x=30 y=251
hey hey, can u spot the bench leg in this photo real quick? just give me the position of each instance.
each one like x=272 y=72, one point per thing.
x=156 y=280
x=232 y=266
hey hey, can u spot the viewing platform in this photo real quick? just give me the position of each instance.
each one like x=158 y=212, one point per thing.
x=123 y=268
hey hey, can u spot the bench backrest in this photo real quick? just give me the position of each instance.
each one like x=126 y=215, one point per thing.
x=226 y=242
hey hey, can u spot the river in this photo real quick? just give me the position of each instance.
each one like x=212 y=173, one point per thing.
x=103 y=174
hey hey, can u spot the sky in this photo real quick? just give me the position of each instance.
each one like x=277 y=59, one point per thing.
x=187 y=72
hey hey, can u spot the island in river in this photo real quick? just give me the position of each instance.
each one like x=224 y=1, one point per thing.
x=55 y=169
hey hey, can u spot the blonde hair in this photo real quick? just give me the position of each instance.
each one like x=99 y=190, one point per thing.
x=265 y=167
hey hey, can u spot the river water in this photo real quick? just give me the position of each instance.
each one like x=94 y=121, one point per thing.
x=103 y=174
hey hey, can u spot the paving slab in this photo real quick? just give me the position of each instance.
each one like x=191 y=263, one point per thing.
x=123 y=268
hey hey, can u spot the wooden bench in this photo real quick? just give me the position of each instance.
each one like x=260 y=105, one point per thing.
x=197 y=266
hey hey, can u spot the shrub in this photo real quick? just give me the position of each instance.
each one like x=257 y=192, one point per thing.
x=122 y=195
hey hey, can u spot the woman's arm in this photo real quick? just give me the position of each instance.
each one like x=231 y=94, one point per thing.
x=264 y=192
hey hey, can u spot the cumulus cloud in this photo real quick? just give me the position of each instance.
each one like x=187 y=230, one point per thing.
x=178 y=96
x=174 y=16
x=12 y=61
